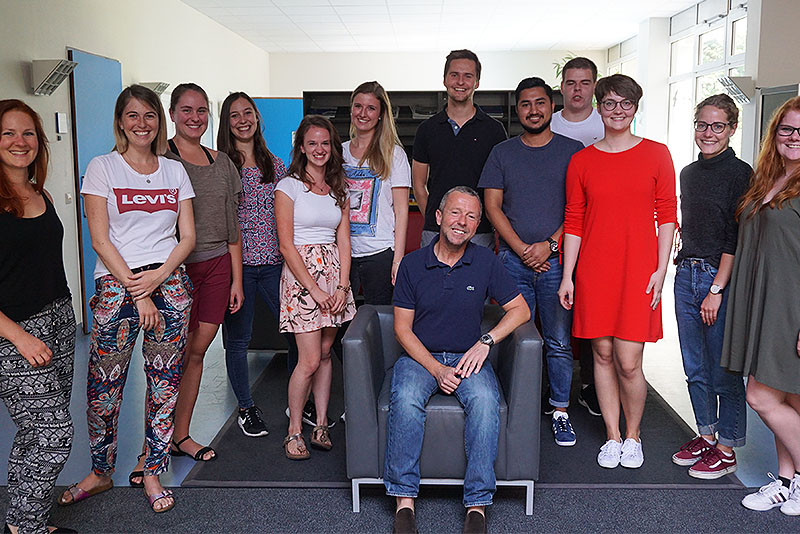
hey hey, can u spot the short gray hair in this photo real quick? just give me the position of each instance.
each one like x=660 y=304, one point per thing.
x=461 y=189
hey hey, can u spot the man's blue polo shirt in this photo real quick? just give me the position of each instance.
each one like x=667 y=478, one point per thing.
x=448 y=301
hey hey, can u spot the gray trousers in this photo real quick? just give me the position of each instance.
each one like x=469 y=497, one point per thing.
x=37 y=399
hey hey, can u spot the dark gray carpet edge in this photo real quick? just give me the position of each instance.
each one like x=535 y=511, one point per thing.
x=663 y=432
x=260 y=462
x=212 y=511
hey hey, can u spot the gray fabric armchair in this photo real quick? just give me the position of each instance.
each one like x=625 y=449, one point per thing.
x=370 y=350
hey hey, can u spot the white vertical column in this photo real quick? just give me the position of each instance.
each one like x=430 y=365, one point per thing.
x=653 y=75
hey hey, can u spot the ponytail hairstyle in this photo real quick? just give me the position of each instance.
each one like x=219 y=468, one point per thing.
x=226 y=142
x=380 y=152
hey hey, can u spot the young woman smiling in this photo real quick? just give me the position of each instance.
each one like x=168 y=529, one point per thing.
x=711 y=188
x=761 y=331
x=135 y=201
x=379 y=178
x=240 y=137
x=215 y=265
x=312 y=210
x=613 y=189
x=37 y=323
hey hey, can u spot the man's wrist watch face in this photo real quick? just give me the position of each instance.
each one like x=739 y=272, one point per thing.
x=715 y=289
x=553 y=244
x=486 y=339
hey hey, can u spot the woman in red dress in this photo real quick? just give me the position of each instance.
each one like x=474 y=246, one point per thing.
x=614 y=188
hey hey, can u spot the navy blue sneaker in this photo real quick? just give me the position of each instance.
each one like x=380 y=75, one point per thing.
x=562 y=430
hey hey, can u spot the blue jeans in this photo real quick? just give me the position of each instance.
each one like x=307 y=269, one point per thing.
x=712 y=390
x=540 y=290
x=257 y=280
x=412 y=387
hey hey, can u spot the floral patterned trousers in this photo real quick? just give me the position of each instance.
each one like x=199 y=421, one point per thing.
x=114 y=331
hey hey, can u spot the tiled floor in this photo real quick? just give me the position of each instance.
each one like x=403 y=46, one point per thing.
x=662 y=365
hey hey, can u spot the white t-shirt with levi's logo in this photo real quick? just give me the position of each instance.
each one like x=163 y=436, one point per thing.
x=142 y=208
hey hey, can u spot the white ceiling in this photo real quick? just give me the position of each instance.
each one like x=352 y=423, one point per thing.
x=434 y=25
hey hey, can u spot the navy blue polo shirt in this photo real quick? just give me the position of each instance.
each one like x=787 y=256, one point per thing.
x=455 y=159
x=448 y=301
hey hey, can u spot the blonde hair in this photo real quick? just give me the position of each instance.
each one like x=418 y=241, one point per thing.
x=380 y=152
x=770 y=167
x=149 y=98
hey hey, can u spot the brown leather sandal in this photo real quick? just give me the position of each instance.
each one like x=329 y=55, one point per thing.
x=321 y=438
x=302 y=452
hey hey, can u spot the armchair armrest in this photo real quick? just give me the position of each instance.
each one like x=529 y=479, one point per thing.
x=363 y=376
x=520 y=374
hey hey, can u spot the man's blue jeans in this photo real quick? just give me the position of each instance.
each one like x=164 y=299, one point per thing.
x=710 y=386
x=412 y=387
x=540 y=290
x=257 y=280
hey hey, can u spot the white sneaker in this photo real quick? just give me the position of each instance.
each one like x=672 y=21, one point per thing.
x=631 y=455
x=767 y=497
x=609 y=454
x=792 y=504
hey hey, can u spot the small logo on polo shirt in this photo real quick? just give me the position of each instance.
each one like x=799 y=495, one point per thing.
x=470 y=288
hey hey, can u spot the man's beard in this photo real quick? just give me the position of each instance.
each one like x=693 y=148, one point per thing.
x=540 y=129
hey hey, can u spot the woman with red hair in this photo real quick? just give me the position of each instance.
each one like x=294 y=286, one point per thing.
x=37 y=322
x=761 y=332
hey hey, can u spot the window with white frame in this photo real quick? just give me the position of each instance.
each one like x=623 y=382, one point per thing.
x=707 y=41
x=621 y=59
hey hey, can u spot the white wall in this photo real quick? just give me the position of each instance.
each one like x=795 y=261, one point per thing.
x=155 y=40
x=291 y=74
x=653 y=75
x=770 y=58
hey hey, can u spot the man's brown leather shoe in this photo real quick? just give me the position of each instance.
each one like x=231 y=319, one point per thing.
x=475 y=523
x=405 y=522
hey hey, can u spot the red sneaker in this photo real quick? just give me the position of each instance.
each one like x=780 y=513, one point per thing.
x=713 y=464
x=691 y=452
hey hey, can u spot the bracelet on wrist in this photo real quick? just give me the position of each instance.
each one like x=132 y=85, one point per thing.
x=343 y=288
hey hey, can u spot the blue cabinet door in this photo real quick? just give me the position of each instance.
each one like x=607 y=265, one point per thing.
x=281 y=117
x=96 y=82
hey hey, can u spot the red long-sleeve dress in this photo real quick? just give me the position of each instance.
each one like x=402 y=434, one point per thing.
x=615 y=201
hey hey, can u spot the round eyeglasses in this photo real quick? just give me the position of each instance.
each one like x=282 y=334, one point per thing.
x=784 y=130
x=716 y=127
x=611 y=105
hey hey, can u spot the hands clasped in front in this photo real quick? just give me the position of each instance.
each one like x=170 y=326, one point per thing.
x=535 y=256
x=470 y=363
x=333 y=303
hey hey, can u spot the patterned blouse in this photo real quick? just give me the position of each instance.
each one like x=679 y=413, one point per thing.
x=257 y=216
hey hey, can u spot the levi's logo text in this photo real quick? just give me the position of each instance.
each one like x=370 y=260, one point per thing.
x=149 y=200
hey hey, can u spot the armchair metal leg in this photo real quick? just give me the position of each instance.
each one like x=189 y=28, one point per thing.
x=527 y=484
x=356 y=496
x=529 y=498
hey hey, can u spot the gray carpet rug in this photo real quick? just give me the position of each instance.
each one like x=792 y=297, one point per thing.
x=278 y=511
x=260 y=462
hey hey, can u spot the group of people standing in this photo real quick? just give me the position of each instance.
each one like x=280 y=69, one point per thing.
x=188 y=237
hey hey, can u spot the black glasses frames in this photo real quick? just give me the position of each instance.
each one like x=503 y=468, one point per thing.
x=784 y=130
x=611 y=105
x=716 y=127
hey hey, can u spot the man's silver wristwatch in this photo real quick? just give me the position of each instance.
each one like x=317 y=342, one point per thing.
x=553 y=244
x=487 y=339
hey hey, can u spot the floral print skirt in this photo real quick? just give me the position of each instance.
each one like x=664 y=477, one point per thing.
x=299 y=311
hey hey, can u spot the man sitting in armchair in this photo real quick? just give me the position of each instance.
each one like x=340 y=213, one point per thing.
x=439 y=298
